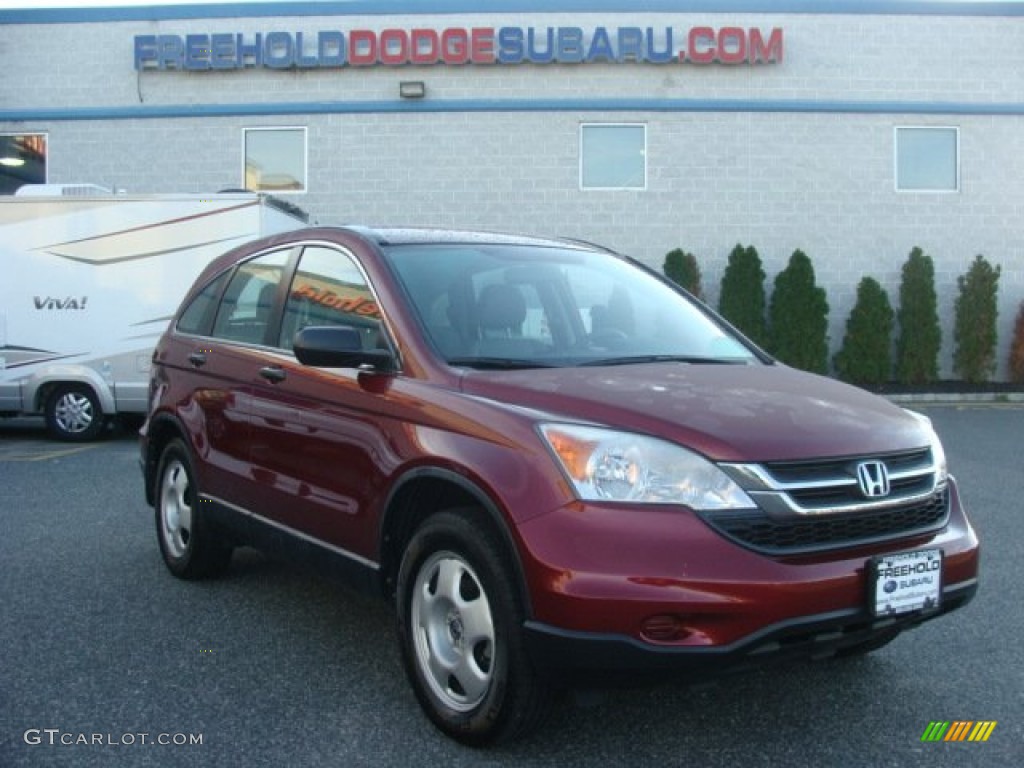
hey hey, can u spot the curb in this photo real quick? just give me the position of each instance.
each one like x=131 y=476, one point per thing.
x=938 y=398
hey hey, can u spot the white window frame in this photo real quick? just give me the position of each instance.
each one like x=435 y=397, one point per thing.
x=305 y=157
x=896 y=160
x=583 y=127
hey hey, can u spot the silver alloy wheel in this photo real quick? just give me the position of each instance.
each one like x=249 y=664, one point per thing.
x=453 y=631
x=175 y=509
x=74 y=412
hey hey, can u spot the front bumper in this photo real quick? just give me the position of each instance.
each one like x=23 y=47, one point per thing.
x=588 y=658
x=601 y=577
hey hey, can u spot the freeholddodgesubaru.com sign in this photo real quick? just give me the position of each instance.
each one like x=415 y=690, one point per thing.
x=458 y=45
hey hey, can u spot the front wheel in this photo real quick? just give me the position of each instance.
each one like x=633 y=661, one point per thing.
x=460 y=623
x=73 y=413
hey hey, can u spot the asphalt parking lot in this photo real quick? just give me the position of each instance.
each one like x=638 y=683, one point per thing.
x=109 y=661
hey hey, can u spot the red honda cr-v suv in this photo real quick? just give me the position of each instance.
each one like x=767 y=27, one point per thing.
x=553 y=461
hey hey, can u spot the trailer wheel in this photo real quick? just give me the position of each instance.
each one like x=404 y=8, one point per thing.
x=73 y=413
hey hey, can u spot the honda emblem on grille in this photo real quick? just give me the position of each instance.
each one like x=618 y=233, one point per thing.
x=873 y=479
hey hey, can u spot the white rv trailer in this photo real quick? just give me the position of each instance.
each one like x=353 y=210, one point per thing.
x=88 y=282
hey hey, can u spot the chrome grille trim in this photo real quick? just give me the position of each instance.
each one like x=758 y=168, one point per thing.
x=829 y=486
x=812 y=506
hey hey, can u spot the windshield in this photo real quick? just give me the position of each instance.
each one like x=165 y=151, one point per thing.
x=521 y=306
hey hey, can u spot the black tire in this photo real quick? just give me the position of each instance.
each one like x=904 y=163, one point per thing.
x=74 y=414
x=460 y=619
x=190 y=547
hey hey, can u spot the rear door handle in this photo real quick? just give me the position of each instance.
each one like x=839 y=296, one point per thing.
x=198 y=359
x=273 y=374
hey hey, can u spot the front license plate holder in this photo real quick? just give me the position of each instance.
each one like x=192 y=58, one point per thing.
x=905 y=582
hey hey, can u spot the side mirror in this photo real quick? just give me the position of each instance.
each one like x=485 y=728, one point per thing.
x=339 y=346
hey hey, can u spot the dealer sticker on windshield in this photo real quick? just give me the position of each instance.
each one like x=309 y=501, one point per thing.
x=909 y=581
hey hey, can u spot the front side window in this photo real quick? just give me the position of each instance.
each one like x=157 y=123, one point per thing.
x=245 y=311
x=613 y=156
x=329 y=289
x=275 y=159
x=927 y=159
x=22 y=160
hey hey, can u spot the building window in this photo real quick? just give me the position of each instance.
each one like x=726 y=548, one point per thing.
x=275 y=159
x=613 y=156
x=22 y=160
x=927 y=159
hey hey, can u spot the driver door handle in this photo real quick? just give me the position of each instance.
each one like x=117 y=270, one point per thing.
x=273 y=374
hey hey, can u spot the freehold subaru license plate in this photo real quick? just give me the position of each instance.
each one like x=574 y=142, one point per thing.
x=909 y=581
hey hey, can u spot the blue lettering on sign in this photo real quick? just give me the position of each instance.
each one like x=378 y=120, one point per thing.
x=631 y=44
x=664 y=56
x=570 y=44
x=197 y=52
x=600 y=46
x=533 y=54
x=510 y=46
x=222 y=52
x=455 y=45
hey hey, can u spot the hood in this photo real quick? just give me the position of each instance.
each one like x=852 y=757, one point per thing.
x=726 y=412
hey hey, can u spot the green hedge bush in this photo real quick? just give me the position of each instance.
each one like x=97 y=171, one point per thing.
x=865 y=356
x=742 y=299
x=976 y=311
x=1016 y=362
x=798 y=317
x=920 y=338
x=681 y=268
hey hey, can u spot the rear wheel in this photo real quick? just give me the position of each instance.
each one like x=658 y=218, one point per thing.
x=73 y=413
x=190 y=547
x=460 y=625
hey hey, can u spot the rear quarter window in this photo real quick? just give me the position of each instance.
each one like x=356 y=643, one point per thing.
x=197 y=317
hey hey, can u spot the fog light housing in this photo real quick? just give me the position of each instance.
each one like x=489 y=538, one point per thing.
x=663 y=628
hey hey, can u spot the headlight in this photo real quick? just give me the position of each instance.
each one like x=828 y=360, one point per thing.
x=938 y=452
x=605 y=465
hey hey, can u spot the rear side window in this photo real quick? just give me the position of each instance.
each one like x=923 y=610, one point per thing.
x=245 y=311
x=329 y=289
x=199 y=313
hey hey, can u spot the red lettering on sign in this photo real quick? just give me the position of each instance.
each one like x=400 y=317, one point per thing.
x=482 y=46
x=394 y=47
x=362 y=48
x=701 y=45
x=454 y=46
x=763 y=53
x=426 y=47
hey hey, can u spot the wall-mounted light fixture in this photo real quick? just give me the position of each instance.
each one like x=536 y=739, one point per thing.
x=412 y=89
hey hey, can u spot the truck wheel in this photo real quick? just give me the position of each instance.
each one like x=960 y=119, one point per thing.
x=73 y=413
x=460 y=617
x=190 y=547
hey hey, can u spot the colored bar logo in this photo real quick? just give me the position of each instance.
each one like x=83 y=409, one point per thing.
x=959 y=730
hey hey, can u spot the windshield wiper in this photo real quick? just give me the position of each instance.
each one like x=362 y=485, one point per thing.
x=498 y=363
x=638 y=359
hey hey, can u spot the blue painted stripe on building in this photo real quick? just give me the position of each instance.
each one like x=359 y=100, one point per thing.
x=142 y=112
x=419 y=7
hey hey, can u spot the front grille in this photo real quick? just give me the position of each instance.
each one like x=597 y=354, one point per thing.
x=803 y=506
x=755 y=529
